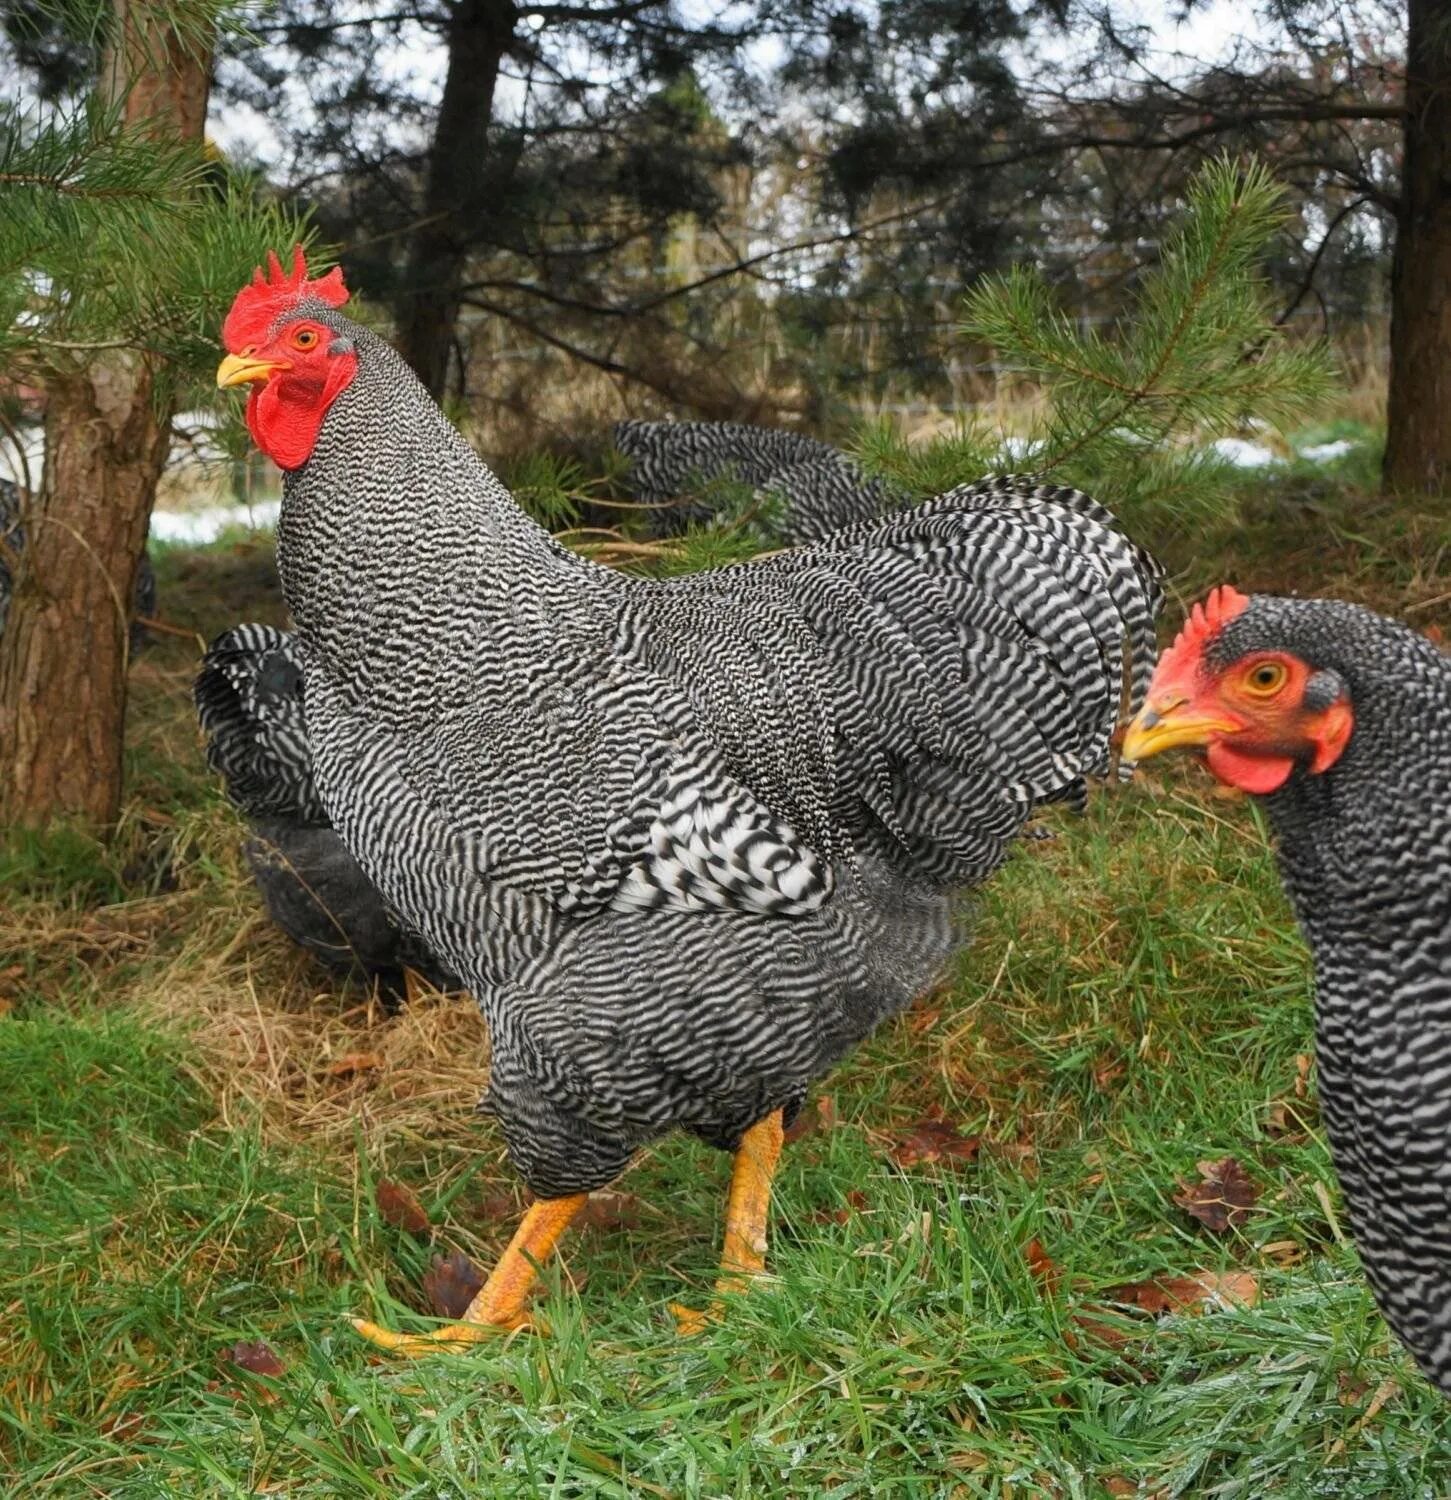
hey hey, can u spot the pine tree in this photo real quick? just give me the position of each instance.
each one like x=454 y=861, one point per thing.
x=120 y=246
x=1129 y=416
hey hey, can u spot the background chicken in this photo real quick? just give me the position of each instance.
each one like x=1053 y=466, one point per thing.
x=250 y=707
x=1341 y=721
x=687 y=841
x=819 y=488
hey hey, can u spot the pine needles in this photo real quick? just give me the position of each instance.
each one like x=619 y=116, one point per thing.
x=113 y=239
x=1197 y=356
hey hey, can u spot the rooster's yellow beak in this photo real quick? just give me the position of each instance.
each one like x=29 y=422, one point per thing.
x=240 y=369
x=1167 y=722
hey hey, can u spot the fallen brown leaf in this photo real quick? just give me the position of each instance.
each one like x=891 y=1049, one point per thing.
x=503 y=1203
x=1107 y=1072
x=354 y=1062
x=934 y=1140
x=1189 y=1293
x=399 y=1205
x=856 y=1200
x=1022 y=1154
x=1302 y=1073
x=818 y=1116
x=128 y=1427
x=254 y=1356
x=452 y=1283
x=1045 y=1269
x=1222 y=1199
x=607 y=1209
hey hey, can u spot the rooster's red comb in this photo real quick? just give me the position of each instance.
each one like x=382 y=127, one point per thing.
x=1203 y=623
x=264 y=298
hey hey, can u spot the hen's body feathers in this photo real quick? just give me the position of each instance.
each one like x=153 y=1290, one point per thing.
x=686 y=841
x=820 y=490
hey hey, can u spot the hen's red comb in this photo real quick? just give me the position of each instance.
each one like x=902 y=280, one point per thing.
x=1203 y=623
x=259 y=303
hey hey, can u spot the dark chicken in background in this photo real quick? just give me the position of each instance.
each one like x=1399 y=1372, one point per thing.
x=687 y=841
x=249 y=704
x=820 y=488
x=1340 y=722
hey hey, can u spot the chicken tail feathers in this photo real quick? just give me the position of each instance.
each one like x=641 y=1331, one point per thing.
x=249 y=704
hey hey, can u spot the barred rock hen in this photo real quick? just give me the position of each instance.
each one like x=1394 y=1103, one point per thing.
x=249 y=703
x=687 y=841
x=1340 y=721
x=12 y=539
x=822 y=489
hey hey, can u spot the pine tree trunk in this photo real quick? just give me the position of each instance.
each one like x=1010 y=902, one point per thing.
x=1418 y=418
x=63 y=651
x=479 y=34
x=63 y=654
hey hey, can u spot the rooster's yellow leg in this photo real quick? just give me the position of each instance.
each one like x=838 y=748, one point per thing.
x=499 y=1306
x=743 y=1254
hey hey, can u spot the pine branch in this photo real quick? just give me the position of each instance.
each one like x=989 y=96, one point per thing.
x=1198 y=353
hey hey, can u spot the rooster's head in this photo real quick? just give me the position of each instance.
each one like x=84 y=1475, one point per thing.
x=1253 y=708
x=297 y=364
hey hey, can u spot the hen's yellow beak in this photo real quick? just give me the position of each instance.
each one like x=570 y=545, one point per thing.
x=1168 y=722
x=240 y=369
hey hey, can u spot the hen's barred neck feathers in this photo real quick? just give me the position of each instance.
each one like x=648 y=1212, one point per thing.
x=1365 y=851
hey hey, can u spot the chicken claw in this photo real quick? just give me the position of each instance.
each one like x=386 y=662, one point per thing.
x=499 y=1306
x=743 y=1256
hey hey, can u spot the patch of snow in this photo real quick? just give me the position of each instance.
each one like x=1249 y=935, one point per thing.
x=1324 y=453
x=1243 y=454
x=1018 y=448
x=198 y=527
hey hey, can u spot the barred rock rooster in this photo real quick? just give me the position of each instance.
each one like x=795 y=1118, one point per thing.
x=1340 y=721
x=249 y=703
x=822 y=489
x=12 y=541
x=687 y=840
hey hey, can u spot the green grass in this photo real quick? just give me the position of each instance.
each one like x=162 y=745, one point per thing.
x=1134 y=1002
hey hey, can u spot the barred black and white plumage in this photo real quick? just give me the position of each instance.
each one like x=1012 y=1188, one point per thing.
x=12 y=539
x=1364 y=848
x=820 y=489
x=686 y=841
x=249 y=699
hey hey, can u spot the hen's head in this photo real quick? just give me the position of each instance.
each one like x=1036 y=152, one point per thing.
x=278 y=341
x=1233 y=688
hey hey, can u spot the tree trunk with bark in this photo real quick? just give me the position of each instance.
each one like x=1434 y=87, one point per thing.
x=1418 y=417
x=480 y=33
x=63 y=651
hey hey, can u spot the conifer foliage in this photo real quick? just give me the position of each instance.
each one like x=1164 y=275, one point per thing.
x=1131 y=414
x=121 y=241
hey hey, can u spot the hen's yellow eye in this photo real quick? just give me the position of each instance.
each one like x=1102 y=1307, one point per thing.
x=1266 y=678
x=304 y=338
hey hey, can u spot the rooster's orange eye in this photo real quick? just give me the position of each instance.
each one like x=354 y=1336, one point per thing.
x=1265 y=678
x=304 y=338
